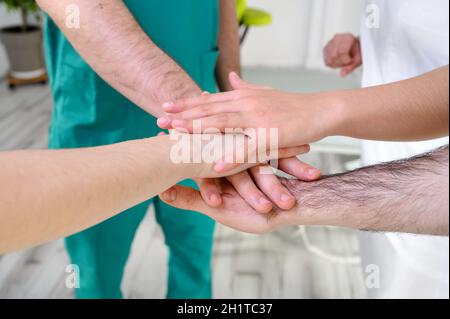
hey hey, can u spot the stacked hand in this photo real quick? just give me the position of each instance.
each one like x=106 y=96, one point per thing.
x=235 y=212
x=250 y=106
x=255 y=107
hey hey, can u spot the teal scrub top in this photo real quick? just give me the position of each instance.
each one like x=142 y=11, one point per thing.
x=88 y=111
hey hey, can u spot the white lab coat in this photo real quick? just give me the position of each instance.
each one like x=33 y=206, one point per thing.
x=410 y=38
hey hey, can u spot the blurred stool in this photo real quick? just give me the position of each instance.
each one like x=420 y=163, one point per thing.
x=251 y=17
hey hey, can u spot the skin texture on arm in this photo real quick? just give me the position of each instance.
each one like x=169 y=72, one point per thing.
x=139 y=70
x=409 y=196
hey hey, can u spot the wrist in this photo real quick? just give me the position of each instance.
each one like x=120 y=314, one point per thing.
x=185 y=155
x=334 y=115
x=310 y=209
x=322 y=113
x=168 y=88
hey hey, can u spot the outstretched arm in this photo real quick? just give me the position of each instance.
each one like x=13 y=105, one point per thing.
x=409 y=110
x=116 y=47
x=408 y=196
x=50 y=194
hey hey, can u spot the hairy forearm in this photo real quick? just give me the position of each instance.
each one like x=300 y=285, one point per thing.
x=409 y=110
x=115 y=46
x=51 y=194
x=408 y=196
x=229 y=46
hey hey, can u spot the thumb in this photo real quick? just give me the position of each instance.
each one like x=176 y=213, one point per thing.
x=185 y=198
x=237 y=83
x=346 y=70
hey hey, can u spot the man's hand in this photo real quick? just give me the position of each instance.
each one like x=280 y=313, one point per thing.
x=235 y=211
x=257 y=184
x=259 y=189
x=408 y=196
x=344 y=52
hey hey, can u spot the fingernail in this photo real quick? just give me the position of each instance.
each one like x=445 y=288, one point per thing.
x=206 y=93
x=168 y=105
x=170 y=195
x=312 y=172
x=263 y=201
x=163 y=121
x=286 y=198
x=214 y=198
x=179 y=124
x=219 y=167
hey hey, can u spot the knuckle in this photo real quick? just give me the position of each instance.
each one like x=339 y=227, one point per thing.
x=222 y=120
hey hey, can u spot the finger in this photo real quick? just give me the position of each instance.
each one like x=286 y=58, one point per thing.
x=272 y=187
x=344 y=59
x=186 y=198
x=210 y=191
x=164 y=123
x=206 y=110
x=299 y=169
x=327 y=55
x=357 y=61
x=292 y=151
x=346 y=70
x=238 y=84
x=230 y=163
x=245 y=186
x=188 y=103
x=218 y=122
x=161 y=133
x=334 y=51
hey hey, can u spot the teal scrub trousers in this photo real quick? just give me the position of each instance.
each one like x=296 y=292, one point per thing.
x=88 y=112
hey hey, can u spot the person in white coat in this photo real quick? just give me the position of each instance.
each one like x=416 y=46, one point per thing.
x=412 y=39
x=399 y=40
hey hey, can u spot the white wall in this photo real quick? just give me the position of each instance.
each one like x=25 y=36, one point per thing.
x=300 y=29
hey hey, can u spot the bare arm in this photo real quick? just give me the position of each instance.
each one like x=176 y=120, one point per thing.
x=50 y=194
x=409 y=110
x=115 y=46
x=229 y=46
x=408 y=196
x=405 y=196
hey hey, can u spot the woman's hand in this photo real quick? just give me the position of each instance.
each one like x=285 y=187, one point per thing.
x=235 y=211
x=297 y=119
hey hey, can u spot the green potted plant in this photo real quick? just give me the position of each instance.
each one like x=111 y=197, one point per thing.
x=23 y=44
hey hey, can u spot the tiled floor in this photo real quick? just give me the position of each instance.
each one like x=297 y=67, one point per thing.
x=292 y=266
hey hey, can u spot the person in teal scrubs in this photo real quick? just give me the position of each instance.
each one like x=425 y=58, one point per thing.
x=89 y=112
